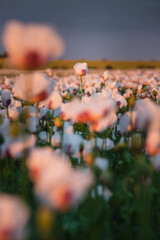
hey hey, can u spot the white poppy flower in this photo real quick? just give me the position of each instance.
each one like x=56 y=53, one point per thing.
x=14 y=215
x=31 y=45
x=81 y=69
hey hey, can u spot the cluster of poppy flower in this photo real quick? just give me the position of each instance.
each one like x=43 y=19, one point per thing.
x=50 y=121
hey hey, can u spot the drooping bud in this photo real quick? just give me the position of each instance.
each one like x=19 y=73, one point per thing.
x=131 y=102
x=57 y=122
x=154 y=93
x=6 y=97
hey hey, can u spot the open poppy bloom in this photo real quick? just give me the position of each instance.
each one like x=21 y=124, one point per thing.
x=31 y=45
x=14 y=215
x=63 y=189
x=81 y=69
x=32 y=87
x=90 y=109
x=105 y=75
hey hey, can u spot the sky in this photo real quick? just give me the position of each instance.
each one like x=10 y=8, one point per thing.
x=95 y=29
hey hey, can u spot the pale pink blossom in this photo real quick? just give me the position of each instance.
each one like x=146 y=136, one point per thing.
x=14 y=215
x=81 y=69
x=31 y=45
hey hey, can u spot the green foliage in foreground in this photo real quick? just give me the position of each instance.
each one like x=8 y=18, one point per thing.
x=131 y=213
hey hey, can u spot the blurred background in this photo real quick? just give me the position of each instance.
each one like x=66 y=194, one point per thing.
x=97 y=29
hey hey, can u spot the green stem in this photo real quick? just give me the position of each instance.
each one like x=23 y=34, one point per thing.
x=12 y=167
x=132 y=132
x=62 y=131
x=7 y=112
x=50 y=134
x=51 y=128
x=43 y=124
x=24 y=179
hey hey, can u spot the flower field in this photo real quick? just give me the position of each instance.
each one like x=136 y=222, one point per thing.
x=79 y=153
